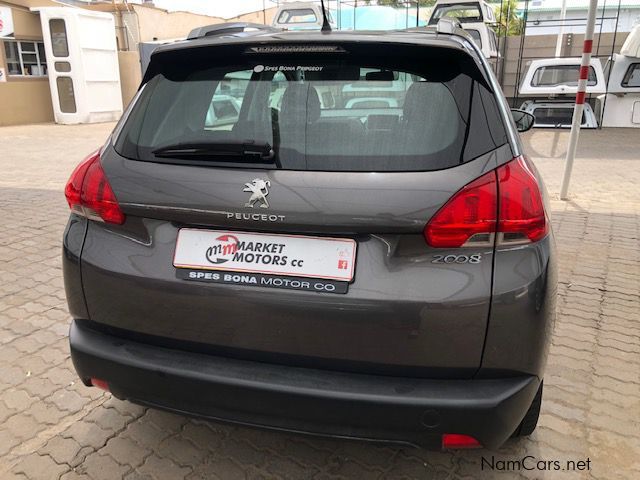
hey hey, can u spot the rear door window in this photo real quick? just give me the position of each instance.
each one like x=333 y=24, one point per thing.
x=632 y=76
x=336 y=113
x=555 y=116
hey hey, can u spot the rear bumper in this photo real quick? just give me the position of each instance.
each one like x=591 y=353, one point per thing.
x=408 y=410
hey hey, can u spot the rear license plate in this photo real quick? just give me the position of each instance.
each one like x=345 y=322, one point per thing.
x=265 y=259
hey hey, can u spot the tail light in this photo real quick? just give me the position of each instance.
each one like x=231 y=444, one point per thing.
x=456 y=440
x=522 y=218
x=469 y=215
x=506 y=201
x=89 y=194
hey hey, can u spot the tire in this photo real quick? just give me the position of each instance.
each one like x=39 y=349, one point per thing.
x=530 y=420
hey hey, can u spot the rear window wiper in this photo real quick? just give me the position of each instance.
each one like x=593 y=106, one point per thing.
x=230 y=151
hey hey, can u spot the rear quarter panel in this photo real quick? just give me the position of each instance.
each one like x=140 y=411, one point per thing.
x=72 y=242
x=523 y=309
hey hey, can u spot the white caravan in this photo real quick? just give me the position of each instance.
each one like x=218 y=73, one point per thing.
x=559 y=76
x=556 y=81
x=82 y=56
x=620 y=107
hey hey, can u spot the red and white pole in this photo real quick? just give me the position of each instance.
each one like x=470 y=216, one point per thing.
x=580 y=96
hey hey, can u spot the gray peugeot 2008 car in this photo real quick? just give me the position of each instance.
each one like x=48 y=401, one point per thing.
x=362 y=250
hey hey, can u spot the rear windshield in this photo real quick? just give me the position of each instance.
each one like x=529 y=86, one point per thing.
x=555 y=75
x=340 y=112
x=298 y=15
x=463 y=12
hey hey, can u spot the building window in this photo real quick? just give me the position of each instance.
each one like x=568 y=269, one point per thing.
x=25 y=58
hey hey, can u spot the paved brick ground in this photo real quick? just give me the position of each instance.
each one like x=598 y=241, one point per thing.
x=53 y=427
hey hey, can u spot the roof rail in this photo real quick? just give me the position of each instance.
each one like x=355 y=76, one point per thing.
x=221 y=29
x=447 y=26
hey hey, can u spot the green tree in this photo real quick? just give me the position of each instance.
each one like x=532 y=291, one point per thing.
x=508 y=18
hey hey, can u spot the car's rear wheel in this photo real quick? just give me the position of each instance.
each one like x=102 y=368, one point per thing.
x=530 y=420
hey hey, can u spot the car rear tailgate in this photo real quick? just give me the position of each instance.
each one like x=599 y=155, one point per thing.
x=402 y=313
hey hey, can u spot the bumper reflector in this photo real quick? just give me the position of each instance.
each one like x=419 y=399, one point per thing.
x=102 y=384
x=455 y=440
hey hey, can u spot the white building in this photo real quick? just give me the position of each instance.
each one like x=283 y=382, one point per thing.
x=543 y=17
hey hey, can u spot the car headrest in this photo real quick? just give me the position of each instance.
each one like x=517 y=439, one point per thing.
x=299 y=102
x=421 y=97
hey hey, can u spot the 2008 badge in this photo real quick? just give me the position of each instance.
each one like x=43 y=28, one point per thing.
x=476 y=258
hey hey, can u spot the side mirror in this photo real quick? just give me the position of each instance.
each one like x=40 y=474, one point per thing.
x=524 y=120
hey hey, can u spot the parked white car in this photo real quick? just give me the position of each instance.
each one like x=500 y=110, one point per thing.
x=464 y=12
x=300 y=16
x=485 y=37
x=476 y=17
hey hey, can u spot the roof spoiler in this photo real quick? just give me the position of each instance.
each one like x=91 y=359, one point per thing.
x=221 y=29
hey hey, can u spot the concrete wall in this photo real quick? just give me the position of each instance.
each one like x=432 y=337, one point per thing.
x=162 y=25
x=25 y=99
x=264 y=17
x=544 y=47
x=140 y=23
x=127 y=31
x=26 y=24
x=130 y=75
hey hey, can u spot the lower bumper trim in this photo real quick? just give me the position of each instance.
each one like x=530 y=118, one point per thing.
x=372 y=407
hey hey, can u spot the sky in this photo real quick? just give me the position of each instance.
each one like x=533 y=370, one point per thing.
x=217 y=8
